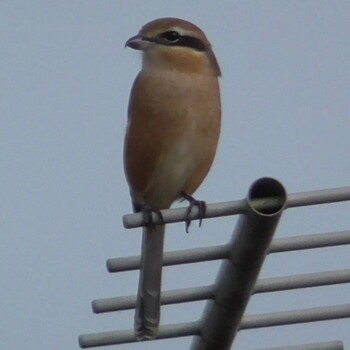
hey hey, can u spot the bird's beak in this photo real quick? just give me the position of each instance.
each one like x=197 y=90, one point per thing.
x=138 y=42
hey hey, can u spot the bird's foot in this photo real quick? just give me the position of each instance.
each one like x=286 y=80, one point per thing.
x=201 y=205
x=148 y=217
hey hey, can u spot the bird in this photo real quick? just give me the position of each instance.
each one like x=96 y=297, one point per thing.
x=173 y=128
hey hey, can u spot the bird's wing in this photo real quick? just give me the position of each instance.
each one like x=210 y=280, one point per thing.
x=143 y=142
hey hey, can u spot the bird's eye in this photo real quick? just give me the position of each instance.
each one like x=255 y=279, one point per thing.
x=171 y=36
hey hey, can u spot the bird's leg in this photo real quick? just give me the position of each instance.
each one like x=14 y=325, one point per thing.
x=148 y=216
x=147 y=213
x=201 y=205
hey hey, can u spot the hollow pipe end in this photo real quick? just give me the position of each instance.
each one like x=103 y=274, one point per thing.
x=267 y=196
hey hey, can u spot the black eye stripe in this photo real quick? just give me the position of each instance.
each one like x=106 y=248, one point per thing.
x=170 y=36
x=190 y=41
x=181 y=40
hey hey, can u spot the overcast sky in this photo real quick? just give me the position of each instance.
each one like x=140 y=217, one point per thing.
x=65 y=81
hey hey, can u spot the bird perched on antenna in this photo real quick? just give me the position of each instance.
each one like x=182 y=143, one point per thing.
x=174 y=119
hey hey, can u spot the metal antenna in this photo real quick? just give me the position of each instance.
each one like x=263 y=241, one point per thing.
x=236 y=281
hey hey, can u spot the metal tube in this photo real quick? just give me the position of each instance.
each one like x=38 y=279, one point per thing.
x=334 y=345
x=237 y=276
x=169 y=297
x=248 y=322
x=128 y=336
x=237 y=207
x=318 y=240
x=265 y=285
x=180 y=214
x=306 y=280
x=283 y=318
x=186 y=256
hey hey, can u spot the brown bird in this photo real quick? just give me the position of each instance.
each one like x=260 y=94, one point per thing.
x=174 y=119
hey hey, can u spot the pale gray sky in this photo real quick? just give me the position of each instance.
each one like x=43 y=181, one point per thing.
x=65 y=82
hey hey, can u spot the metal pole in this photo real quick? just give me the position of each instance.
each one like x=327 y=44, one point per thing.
x=294 y=200
x=186 y=256
x=334 y=345
x=283 y=318
x=238 y=274
x=128 y=336
x=195 y=329
x=265 y=285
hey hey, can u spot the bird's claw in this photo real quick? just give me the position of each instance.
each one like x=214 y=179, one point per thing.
x=148 y=217
x=202 y=208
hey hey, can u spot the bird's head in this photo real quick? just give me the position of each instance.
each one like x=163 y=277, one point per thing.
x=173 y=43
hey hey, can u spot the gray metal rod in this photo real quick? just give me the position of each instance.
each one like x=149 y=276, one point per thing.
x=128 y=336
x=171 y=258
x=180 y=214
x=169 y=297
x=306 y=280
x=317 y=240
x=238 y=207
x=264 y=285
x=296 y=316
x=238 y=274
x=333 y=345
x=248 y=322
x=187 y=256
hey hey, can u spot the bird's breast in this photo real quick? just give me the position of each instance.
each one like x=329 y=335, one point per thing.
x=177 y=118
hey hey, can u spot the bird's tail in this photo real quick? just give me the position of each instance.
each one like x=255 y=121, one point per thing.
x=147 y=313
